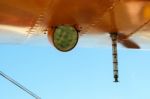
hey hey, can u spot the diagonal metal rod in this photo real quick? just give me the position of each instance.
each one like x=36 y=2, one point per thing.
x=19 y=85
x=115 y=55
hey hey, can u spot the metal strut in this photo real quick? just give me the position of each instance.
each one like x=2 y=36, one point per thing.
x=19 y=85
x=114 y=37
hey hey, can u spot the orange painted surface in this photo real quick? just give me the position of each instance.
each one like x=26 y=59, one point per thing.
x=98 y=16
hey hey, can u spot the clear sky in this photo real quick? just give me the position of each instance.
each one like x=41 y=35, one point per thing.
x=83 y=73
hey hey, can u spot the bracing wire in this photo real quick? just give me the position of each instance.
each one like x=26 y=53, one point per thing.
x=19 y=85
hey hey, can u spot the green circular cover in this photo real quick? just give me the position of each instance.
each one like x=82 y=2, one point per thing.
x=65 y=37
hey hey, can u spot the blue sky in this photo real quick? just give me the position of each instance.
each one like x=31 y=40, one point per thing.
x=83 y=73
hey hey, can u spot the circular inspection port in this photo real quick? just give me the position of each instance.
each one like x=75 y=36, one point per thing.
x=65 y=37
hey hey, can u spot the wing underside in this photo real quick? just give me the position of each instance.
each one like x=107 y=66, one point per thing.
x=26 y=21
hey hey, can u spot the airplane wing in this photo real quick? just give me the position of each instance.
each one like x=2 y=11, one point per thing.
x=24 y=20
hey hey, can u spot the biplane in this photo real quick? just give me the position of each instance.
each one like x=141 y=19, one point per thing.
x=126 y=22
